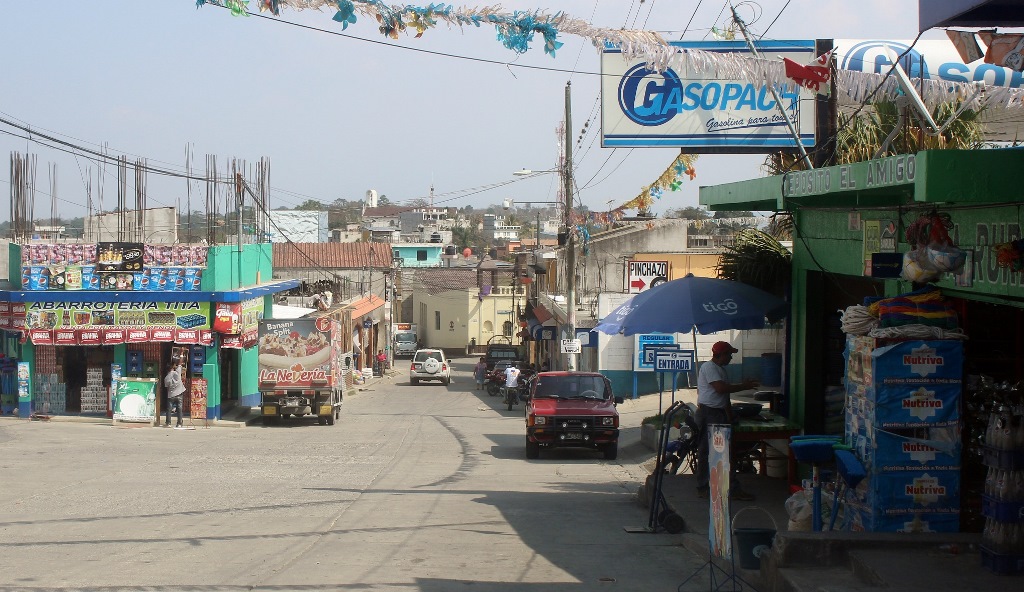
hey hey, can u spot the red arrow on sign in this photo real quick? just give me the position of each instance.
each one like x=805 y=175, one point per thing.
x=638 y=284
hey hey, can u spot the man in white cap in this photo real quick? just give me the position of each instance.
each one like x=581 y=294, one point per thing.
x=714 y=407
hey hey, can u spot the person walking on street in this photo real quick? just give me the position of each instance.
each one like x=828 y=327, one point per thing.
x=714 y=407
x=175 y=389
x=480 y=372
x=382 y=361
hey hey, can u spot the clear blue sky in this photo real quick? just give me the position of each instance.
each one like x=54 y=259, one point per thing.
x=338 y=115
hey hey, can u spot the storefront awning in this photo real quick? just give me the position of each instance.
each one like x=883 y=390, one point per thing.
x=365 y=305
x=542 y=314
x=240 y=295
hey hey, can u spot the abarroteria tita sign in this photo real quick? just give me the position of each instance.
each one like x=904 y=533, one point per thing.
x=681 y=107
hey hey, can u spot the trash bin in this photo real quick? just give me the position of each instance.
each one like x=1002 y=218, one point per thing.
x=751 y=543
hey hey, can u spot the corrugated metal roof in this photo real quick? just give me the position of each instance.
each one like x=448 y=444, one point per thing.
x=385 y=211
x=331 y=255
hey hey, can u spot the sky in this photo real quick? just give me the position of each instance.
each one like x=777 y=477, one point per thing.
x=339 y=114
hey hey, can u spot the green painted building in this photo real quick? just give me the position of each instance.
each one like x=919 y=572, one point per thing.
x=74 y=315
x=849 y=227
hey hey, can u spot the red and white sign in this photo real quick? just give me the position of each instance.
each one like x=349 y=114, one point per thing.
x=6 y=322
x=5 y=308
x=206 y=337
x=88 y=337
x=65 y=337
x=137 y=335
x=113 y=336
x=41 y=336
x=162 y=334
x=231 y=341
x=186 y=336
x=644 y=275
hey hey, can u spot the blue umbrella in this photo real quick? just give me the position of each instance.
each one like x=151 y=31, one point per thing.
x=706 y=305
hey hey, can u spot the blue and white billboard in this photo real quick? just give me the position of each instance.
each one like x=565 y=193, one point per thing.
x=694 y=110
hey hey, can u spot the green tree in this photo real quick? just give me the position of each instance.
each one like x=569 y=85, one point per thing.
x=311 y=204
x=689 y=213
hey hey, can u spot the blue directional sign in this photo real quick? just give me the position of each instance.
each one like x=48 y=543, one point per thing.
x=646 y=345
x=674 y=361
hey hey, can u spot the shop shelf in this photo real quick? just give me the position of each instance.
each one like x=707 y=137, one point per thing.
x=1002 y=564
x=1009 y=460
x=1002 y=511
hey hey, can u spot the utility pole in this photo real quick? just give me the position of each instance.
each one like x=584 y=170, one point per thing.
x=771 y=87
x=570 y=242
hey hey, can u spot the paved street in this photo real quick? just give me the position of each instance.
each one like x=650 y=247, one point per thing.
x=416 y=488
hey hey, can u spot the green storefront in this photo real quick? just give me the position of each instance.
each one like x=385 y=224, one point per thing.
x=73 y=317
x=845 y=214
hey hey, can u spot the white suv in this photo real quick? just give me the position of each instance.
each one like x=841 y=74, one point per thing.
x=430 y=364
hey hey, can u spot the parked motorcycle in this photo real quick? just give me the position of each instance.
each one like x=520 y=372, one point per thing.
x=493 y=382
x=683 y=449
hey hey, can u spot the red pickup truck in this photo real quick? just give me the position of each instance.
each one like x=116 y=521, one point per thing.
x=572 y=409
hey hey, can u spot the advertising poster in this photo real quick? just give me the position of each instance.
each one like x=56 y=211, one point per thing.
x=296 y=353
x=24 y=383
x=115 y=375
x=135 y=400
x=198 y=406
x=117 y=256
x=720 y=528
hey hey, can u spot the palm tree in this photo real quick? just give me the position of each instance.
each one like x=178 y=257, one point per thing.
x=758 y=259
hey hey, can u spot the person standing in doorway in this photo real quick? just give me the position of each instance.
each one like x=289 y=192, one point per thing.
x=175 y=390
x=480 y=372
x=714 y=407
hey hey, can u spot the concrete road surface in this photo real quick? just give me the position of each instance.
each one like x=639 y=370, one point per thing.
x=416 y=488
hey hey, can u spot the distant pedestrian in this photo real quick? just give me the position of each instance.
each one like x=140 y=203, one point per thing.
x=382 y=361
x=480 y=372
x=175 y=389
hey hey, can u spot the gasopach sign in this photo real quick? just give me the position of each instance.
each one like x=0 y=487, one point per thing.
x=644 y=275
x=694 y=110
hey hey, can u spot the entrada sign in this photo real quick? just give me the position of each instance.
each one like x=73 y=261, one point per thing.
x=883 y=172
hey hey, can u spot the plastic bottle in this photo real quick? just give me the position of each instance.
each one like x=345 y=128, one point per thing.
x=990 y=482
x=990 y=430
x=1014 y=539
x=999 y=491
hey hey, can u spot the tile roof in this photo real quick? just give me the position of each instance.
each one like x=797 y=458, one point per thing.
x=331 y=255
x=445 y=279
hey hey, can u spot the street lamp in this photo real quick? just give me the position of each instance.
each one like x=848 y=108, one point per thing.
x=528 y=172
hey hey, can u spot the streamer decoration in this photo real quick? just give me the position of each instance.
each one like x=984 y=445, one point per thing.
x=516 y=30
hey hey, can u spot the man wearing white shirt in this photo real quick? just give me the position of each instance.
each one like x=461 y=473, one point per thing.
x=714 y=407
